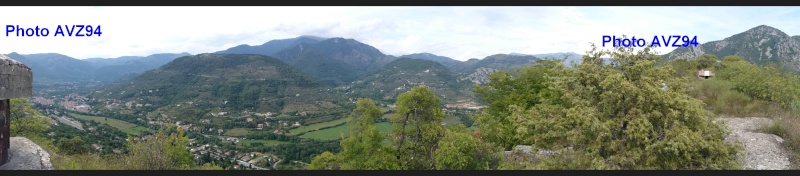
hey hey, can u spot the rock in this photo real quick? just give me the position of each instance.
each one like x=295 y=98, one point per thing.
x=761 y=151
x=525 y=152
x=480 y=76
x=26 y=155
x=778 y=138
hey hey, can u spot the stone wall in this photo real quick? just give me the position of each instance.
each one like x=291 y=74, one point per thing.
x=15 y=79
x=15 y=82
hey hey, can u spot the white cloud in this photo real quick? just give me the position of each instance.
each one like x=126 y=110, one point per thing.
x=458 y=32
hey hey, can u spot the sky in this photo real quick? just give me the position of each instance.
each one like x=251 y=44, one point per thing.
x=460 y=33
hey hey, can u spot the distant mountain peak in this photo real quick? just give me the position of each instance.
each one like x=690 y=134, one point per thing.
x=312 y=37
x=422 y=54
x=271 y=47
x=764 y=29
x=759 y=45
x=446 y=61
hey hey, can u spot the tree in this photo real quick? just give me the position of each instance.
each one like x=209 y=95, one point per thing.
x=524 y=88
x=74 y=145
x=362 y=149
x=25 y=120
x=768 y=82
x=706 y=61
x=418 y=142
x=165 y=151
x=325 y=161
x=618 y=117
x=611 y=116
x=417 y=129
x=458 y=150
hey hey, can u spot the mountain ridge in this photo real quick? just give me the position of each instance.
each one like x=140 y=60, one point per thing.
x=759 y=45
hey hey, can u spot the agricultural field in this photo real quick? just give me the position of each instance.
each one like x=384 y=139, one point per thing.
x=237 y=132
x=317 y=126
x=247 y=142
x=335 y=132
x=452 y=120
x=123 y=126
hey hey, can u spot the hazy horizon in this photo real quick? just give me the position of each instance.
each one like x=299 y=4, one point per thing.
x=460 y=33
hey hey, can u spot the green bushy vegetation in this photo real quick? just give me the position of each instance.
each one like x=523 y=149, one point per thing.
x=742 y=89
x=417 y=142
x=601 y=115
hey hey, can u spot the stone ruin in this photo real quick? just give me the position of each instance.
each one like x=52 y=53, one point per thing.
x=17 y=153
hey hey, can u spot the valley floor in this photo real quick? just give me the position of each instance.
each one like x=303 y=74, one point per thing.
x=761 y=151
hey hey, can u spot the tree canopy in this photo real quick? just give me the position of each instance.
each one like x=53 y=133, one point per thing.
x=610 y=116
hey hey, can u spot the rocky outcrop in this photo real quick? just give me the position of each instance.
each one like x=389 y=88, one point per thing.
x=761 y=151
x=480 y=76
x=26 y=155
x=525 y=153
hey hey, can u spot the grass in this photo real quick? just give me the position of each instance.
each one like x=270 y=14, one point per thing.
x=452 y=120
x=247 y=142
x=123 y=126
x=237 y=132
x=135 y=130
x=721 y=99
x=787 y=126
x=335 y=132
x=317 y=126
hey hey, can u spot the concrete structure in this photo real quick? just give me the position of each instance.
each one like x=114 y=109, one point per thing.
x=705 y=74
x=15 y=82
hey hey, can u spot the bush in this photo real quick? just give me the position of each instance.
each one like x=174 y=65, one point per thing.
x=795 y=106
x=732 y=103
x=618 y=117
x=26 y=121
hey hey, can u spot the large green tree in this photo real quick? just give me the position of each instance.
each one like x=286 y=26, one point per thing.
x=524 y=87
x=418 y=128
x=418 y=142
x=619 y=117
x=362 y=149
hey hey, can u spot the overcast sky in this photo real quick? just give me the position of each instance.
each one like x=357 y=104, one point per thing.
x=457 y=32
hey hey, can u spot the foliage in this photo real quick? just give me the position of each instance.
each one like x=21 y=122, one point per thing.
x=417 y=129
x=524 y=88
x=362 y=150
x=74 y=145
x=325 y=161
x=25 y=120
x=458 y=150
x=418 y=142
x=766 y=82
x=618 y=117
x=706 y=61
x=164 y=151
x=302 y=150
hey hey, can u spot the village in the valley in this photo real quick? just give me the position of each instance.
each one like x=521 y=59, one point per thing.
x=64 y=111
